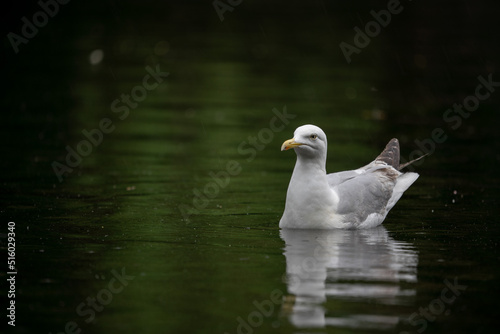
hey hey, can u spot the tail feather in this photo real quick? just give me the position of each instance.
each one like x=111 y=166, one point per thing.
x=390 y=155
x=403 y=182
x=410 y=162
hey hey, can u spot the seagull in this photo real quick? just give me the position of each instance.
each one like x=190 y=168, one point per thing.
x=353 y=199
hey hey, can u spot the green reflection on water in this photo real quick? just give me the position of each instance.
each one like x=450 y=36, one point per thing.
x=120 y=208
x=229 y=253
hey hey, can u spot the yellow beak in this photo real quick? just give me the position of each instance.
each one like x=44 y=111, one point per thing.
x=290 y=143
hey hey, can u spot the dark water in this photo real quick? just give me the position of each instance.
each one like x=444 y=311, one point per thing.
x=168 y=221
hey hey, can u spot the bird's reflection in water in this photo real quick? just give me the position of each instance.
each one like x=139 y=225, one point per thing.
x=361 y=269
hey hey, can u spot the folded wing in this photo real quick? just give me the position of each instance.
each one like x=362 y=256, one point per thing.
x=365 y=193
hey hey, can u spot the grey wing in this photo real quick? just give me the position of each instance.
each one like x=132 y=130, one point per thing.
x=335 y=179
x=364 y=194
x=340 y=177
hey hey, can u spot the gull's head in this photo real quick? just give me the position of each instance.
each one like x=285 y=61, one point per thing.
x=308 y=141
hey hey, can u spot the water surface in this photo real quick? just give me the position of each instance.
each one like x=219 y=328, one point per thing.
x=170 y=223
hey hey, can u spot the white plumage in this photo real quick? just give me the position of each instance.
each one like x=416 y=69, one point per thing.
x=352 y=199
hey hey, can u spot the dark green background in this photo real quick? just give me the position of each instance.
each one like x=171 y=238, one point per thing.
x=120 y=207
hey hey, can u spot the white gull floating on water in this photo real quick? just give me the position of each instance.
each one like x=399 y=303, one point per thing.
x=352 y=199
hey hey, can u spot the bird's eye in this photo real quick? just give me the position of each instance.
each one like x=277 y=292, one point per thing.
x=313 y=137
